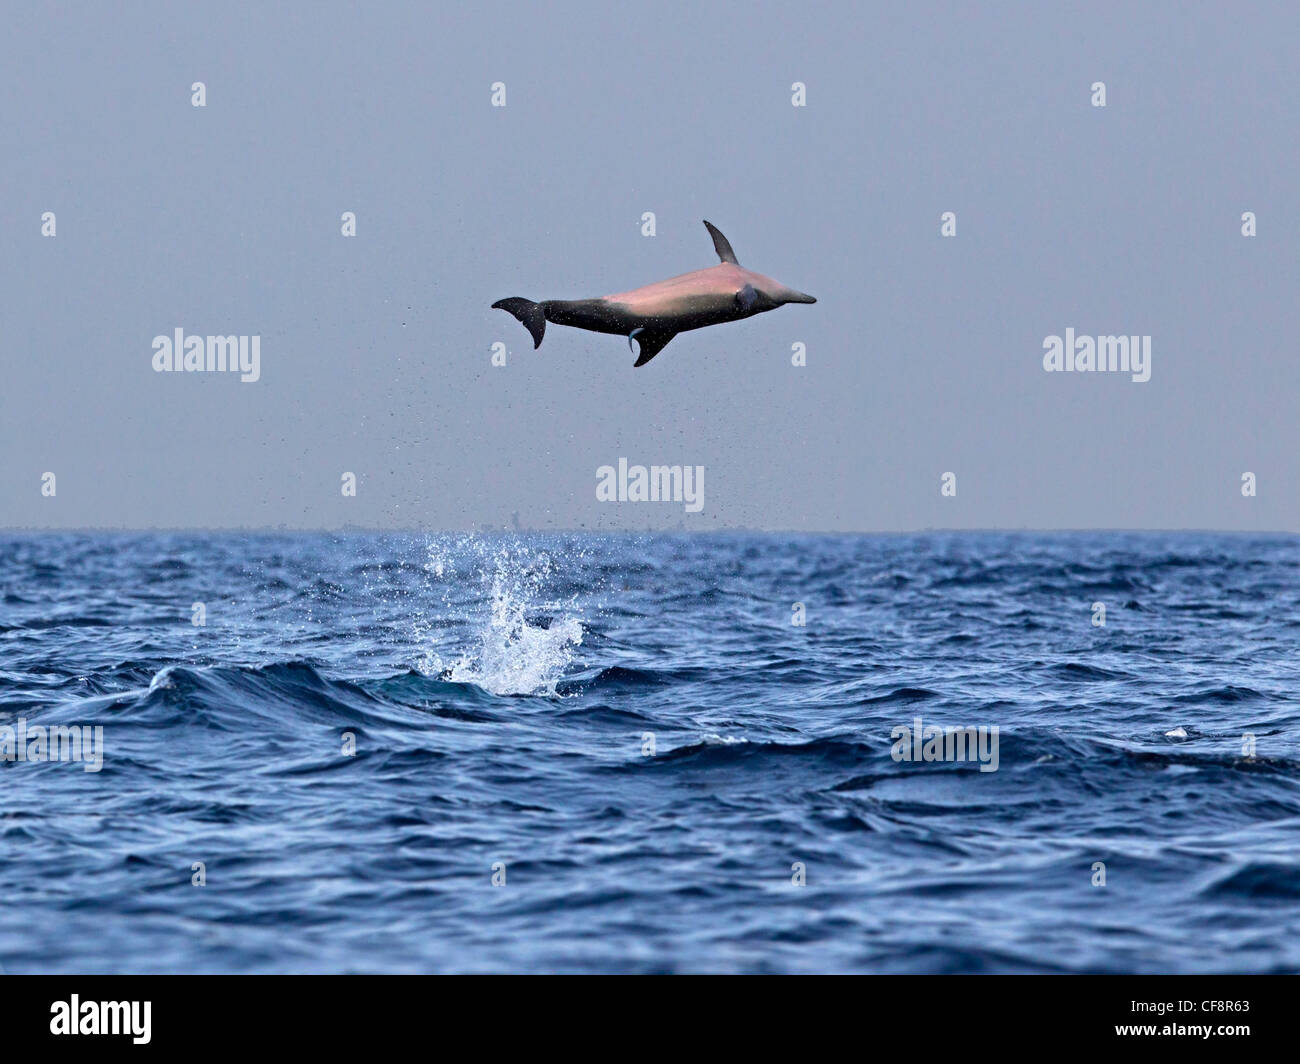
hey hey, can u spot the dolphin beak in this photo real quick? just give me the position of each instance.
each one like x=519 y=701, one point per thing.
x=801 y=297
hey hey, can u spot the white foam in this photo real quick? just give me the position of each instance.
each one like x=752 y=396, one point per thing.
x=511 y=655
x=162 y=679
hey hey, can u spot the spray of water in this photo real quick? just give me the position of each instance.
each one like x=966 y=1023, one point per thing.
x=527 y=640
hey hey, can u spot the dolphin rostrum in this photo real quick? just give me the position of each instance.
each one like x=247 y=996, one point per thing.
x=653 y=315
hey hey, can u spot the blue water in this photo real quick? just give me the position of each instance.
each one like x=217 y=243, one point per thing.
x=635 y=733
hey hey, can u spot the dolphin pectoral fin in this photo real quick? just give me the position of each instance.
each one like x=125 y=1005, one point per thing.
x=650 y=341
x=721 y=245
x=632 y=336
x=746 y=297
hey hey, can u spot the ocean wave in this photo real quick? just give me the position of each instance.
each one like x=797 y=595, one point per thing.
x=634 y=733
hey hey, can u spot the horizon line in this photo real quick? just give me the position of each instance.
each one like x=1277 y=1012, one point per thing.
x=731 y=529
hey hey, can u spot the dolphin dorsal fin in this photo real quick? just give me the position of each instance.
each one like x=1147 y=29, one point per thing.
x=721 y=245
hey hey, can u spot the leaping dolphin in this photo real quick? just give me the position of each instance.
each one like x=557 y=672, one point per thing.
x=653 y=315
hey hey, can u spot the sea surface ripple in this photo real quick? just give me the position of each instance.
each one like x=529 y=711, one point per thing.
x=592 y=753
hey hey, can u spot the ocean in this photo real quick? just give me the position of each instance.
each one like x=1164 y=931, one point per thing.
x=521 y=752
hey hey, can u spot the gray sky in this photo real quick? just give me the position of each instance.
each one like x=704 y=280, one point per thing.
x=924 y=353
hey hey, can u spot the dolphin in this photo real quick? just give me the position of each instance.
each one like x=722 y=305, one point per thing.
x=653 y=315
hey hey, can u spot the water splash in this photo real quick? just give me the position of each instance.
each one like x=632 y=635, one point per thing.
x=529 y=638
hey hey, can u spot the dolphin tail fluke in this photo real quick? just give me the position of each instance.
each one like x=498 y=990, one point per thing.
x=533 y=315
